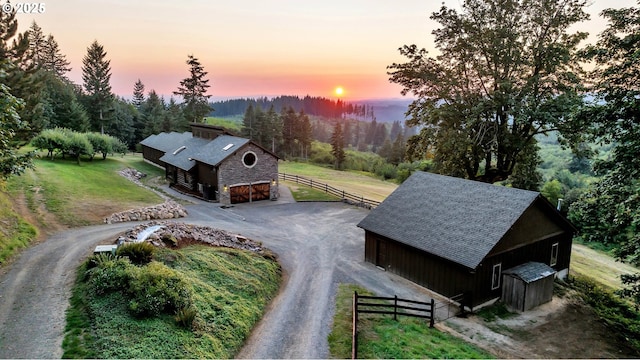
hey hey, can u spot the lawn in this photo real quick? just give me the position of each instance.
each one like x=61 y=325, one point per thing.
x=355 y=183
x=305 y=193
x=231 y=123
x=85 y=194
x=381 y=337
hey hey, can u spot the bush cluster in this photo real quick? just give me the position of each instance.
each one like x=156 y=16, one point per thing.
x=138 y=253
x=64 y=141
x=150 y=290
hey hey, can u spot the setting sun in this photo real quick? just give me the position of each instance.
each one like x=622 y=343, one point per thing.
x=339 y=91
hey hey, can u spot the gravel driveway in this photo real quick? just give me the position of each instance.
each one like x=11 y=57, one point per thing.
x=318 y=245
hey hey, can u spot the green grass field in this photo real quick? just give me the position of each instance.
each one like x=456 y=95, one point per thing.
x=229 y=289
x=381 y=337
x=231 y=123
x=356 y=183
x=67 y=189
x=15 y=232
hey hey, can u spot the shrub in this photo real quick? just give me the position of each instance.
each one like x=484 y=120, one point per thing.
x=185 y=316
x=138 y=253
x=109 y=274
x=156 y=289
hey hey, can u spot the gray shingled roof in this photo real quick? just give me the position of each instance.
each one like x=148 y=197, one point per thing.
x=531 y=271
x=181 y=157
x=166 y=141
x=213 y=153
x=456 y=219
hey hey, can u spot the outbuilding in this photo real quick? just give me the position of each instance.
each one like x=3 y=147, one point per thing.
x=212 y=163
x=456 y=236
x=527 y=286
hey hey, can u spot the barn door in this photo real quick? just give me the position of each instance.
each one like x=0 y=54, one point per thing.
x=381 y=253
x=242 y=193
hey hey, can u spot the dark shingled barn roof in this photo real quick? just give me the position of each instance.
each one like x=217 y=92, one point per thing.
x=455 y=219
x=166 y=141
x=181 y=155
x=214 y=152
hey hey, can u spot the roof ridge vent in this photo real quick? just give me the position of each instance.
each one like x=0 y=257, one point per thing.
x=179 y=149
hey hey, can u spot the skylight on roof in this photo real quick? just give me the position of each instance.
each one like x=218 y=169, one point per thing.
x=179 y=149
x=227 y=147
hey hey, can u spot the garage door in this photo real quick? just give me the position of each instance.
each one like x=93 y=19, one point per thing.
x=241 y=193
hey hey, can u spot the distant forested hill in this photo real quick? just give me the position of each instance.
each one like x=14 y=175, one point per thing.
x=367 y=110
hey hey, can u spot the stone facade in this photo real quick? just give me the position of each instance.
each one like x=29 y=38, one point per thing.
x=233 y=172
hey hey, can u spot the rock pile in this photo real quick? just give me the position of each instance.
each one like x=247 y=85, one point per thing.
x=167 y=210
x=173 y=234
x=132 y=174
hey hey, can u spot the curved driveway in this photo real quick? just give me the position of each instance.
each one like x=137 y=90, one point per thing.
x=318 y=245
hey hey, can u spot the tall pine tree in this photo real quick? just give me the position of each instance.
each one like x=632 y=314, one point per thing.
x=194 y=92
x=337 y=146
x=96 y=74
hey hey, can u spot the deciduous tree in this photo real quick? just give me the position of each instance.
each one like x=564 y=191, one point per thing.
x=507 y=70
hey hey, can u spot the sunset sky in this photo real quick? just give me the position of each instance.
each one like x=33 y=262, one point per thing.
x=252 y=47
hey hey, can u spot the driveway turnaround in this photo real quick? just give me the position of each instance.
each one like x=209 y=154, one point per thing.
x=318 y=245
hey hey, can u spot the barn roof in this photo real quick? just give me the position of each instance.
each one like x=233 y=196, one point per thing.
x=182 y=153
x=165 y=141
x=531 y=271
x=455 y=219
x=219 y=149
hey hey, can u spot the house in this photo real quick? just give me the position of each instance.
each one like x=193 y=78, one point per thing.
x=212 y=163
x=456 y=237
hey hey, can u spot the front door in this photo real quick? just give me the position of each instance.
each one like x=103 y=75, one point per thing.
x=381 y=254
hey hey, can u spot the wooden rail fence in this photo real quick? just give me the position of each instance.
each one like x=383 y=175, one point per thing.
x=391 y=306
x=328 y=189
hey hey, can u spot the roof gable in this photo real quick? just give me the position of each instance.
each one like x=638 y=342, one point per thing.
x=456 y=219
x=219 y=149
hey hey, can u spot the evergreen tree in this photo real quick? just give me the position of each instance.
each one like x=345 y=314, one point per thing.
x=61 y=106
x=21 y=75
x=53 y=60
x=337 y=146
x=176 y=118
x=96 y=74
x=194 y=92
x=11 y=162
x=120 y=125
x=398 y=149
x=138 y=94
x=37 y=43
x=306 y=134
x=248 y=122
x=153 y=113
x=290 y=126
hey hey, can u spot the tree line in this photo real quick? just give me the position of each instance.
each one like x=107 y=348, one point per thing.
x=37 y=95
x=311 y=105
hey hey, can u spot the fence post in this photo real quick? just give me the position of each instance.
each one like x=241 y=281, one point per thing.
x=326 y=188
x=354 y=335
x=311 y=183
x=395 y=307
x=296 y=179
x=433 y=313
x=342 y=194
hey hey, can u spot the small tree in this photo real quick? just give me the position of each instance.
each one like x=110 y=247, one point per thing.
x=337 y=146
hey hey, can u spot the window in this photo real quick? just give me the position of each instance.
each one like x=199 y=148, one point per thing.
x=249 y=159
x=227 y=147
x=554 y=254
x=495 y=277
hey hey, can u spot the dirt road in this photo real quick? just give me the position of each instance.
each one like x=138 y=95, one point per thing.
x=318 y=245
